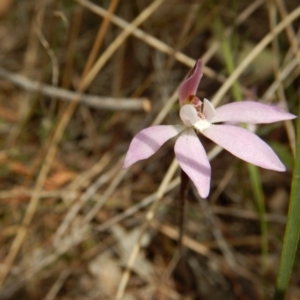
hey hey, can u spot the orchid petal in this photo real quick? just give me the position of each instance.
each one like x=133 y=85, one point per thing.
x=208 y=109
x=193 y=160
x=250 y=112
x=148 y=141
x=245 y=145
x=188 y=115
x=190 y=85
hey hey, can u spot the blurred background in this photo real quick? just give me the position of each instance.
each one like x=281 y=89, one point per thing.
x=78 y=79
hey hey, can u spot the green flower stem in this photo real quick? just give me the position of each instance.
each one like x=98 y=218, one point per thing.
x=292 y=232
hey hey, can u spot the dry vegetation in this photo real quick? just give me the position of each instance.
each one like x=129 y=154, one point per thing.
x=74 y=225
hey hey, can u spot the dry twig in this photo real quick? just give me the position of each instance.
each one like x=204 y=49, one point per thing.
x=107 y=103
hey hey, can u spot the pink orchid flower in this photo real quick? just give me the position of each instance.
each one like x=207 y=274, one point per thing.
x=201 y=117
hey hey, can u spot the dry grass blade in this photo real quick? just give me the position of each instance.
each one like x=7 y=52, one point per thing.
x=73 y=211
x=290 y=31
x=149 y=217
x=52 y=294
x=281 y=95
x=45 y=43
x=150 y=40
x=256 y=50
x=118 y=42
x=283 y=74
x=100 y=37
x=133 y=209
x=244 y=15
